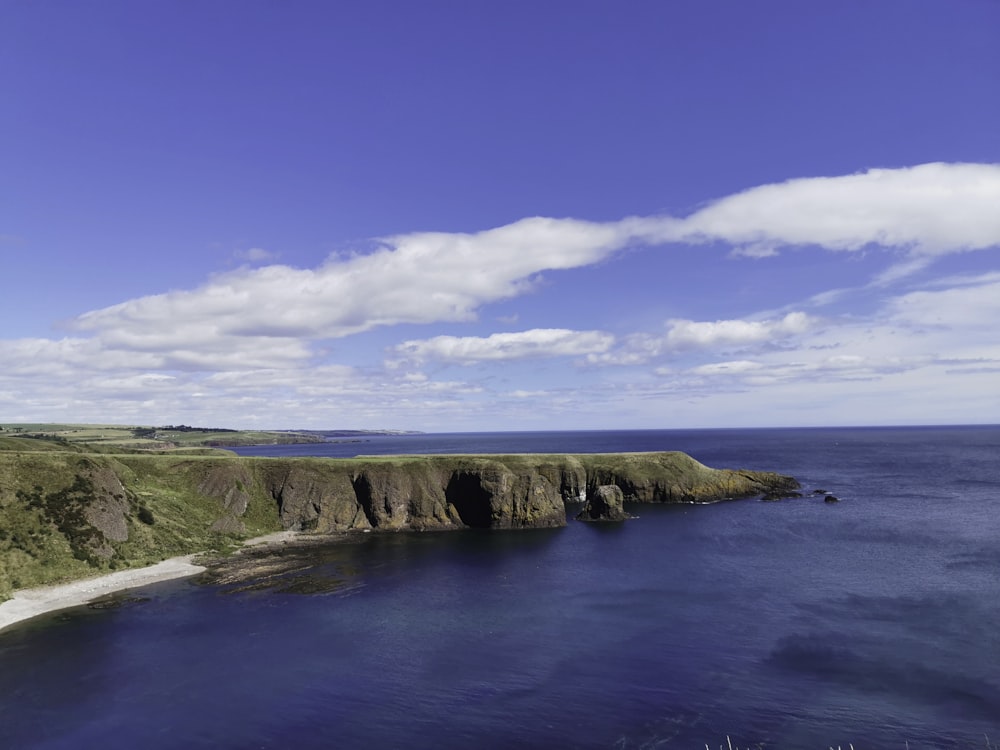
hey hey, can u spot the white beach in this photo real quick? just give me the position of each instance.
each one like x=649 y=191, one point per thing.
x=28 y=603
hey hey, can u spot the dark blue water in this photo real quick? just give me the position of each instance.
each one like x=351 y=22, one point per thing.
x=796 y=625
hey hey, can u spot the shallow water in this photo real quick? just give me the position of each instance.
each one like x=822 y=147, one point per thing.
x=797 y=624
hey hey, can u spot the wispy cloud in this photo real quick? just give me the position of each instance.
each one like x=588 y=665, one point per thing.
x=942 y=330
x=736 y=367
x=970 y=306
x=685 y=335
x=255 y=255
x=538 y=342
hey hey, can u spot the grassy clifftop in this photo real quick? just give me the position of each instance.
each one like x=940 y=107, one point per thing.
x=68 y=511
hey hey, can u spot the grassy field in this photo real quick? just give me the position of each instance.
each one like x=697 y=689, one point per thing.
x=140 y=437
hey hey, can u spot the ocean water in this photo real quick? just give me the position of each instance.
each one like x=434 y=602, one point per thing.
x=797 y=624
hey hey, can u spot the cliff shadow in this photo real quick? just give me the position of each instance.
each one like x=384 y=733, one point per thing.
x=365 y=495
x=470 y=499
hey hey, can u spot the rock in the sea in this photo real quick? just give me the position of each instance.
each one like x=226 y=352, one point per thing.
x=606 y=503
x=831 y=499
x=770 y=497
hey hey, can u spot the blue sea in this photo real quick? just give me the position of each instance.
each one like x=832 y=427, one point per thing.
x=797 y=624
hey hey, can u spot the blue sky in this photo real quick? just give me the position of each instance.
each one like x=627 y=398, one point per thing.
x=520 y=215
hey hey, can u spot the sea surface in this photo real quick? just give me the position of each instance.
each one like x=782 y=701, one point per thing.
x=797 y=624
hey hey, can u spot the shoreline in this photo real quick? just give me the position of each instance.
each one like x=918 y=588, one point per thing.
x=26 y=604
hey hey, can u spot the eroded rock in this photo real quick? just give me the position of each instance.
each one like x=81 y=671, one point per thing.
x=606 y=503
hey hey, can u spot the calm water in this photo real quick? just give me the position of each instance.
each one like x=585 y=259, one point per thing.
x=793 y=625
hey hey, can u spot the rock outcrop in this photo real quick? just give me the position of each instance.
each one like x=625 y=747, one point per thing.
x=605 y=504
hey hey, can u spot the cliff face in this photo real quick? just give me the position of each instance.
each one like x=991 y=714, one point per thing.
x=490 y=492
x=432 y=492
x=677 y=478
x=66 y=514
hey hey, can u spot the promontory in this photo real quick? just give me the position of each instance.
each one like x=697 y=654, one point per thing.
x=72 y=510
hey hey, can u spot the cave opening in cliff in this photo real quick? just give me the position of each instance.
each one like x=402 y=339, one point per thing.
x=471 y=500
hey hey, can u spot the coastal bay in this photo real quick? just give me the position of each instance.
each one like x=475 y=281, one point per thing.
x=789 y=625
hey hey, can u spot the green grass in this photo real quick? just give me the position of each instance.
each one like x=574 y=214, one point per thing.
x=147 y=437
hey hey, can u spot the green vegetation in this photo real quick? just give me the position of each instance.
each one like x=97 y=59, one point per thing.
x=106 y=438
x=67 y=514
x=66 y=510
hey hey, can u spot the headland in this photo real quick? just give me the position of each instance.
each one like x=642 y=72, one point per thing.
x=70 y=511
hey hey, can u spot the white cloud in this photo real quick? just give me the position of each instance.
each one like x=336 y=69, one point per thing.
x=686 y=335
x=697 y=334
x=430 y=277
x=248 y=341
x=797 y=369
x=930 y=209
x=538 y=342
x=904 y=268
x=754 y=250
x=318 y=396
x=931 y=336
x=416 y=278
x=734 y=367
x=828 y=297
x=967 y=307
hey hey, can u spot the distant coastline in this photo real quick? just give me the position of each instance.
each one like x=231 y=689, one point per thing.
x=106 y=438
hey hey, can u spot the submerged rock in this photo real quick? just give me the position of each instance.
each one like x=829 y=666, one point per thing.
x=770 y=497
x=606 y=503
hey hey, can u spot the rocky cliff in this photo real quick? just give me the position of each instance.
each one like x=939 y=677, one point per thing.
x=424 y=492
x=65 y=514
x=494 y=492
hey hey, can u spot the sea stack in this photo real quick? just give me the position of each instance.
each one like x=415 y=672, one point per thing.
x=605 y=504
